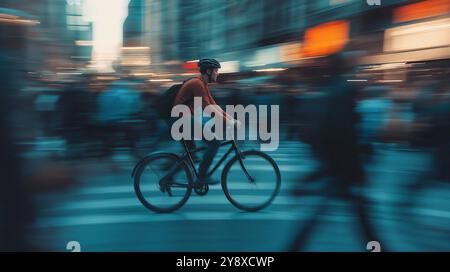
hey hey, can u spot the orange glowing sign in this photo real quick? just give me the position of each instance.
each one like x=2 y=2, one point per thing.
x=424 y=9
x=326 y=39
x=190 y=65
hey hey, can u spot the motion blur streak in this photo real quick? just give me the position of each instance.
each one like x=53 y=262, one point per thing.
x=363 y=94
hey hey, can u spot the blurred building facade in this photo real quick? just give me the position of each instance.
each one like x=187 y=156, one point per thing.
x=246 y=34
x=134 y=28
x=49 y=41
x=63 y=37
x=253 y=31
x=189 y=29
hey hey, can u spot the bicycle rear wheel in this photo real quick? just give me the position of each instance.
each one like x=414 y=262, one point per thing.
x=257 y=190
x=162 y=182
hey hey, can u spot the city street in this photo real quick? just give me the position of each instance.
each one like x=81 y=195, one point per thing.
x=102 y=213
x=355 y=95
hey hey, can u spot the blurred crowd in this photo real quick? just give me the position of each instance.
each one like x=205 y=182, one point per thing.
x=342 y=111
x=342 y=120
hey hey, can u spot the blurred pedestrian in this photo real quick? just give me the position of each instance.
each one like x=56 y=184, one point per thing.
x=335 y=144
x=16 y=211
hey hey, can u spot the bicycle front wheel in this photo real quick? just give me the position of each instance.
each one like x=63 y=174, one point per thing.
x=163 y=182
x=253 y=182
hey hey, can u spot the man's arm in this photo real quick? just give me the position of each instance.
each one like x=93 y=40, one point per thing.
x=224 y=114
x=200 y=91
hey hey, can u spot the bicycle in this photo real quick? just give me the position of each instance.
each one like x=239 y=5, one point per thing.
x=177 y=181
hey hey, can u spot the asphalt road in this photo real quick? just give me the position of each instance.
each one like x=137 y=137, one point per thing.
x=102 y=212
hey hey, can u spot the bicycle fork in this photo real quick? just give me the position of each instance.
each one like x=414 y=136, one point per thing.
x=250 y=178
x=241 y=158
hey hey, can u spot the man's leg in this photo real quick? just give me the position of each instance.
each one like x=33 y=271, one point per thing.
x=208 y=157
x=170 y=169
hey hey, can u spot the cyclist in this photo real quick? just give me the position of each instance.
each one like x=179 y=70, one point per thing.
x=198 y=87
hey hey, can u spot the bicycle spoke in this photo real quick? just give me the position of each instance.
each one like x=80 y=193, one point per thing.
x=246 y=186
x=157 y=187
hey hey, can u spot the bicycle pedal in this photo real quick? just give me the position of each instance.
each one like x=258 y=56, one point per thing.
x=201 y=189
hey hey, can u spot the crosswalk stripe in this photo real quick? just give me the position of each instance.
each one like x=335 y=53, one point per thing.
x=134 y=202
x=100 y=204
x=130 y=189
x=97 y=219
x=283 y=168
x=149 y=217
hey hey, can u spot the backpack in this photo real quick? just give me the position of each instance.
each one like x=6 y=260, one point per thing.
x=165 y=102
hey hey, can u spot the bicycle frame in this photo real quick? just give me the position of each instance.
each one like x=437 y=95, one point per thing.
x=188 y=156
x=185 y=164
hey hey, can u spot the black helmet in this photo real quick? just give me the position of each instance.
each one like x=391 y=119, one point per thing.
x=204 y=64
